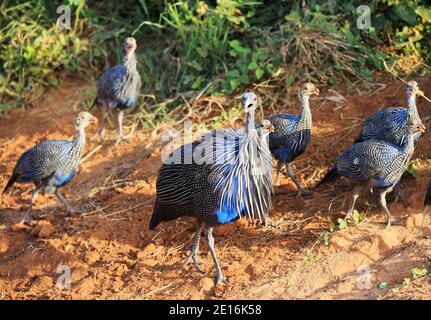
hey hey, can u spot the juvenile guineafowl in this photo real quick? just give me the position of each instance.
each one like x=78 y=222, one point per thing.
x=388 y=124
x=118 y=87
x=51 y=164
x=218 y=178
x=292 y=135
x=377 y=164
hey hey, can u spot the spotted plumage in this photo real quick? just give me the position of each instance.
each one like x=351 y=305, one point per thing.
x=118 y=87
x=377 y=164
x=51 y=164
x=218 y=178
x=292 y=134
x=389 y=124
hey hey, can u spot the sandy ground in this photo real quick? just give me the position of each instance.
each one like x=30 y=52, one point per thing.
x=112 y=254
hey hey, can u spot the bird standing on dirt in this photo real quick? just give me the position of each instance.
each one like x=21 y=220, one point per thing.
x=51 y=164
x=388 y=124
x=292 y=135
x=377 y=164
x=228 y=177
x=118 y=87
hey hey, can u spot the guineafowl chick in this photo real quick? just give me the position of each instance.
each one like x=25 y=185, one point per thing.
x=51 y=164
x=118 y=87
x=378 y=165
x=292 y=135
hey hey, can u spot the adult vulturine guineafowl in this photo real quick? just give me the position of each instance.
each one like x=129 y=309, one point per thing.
x=377 y=164
x=292 y=135
x=118 y=87
x=51 y=164
x=218 y=178
x=388 y=124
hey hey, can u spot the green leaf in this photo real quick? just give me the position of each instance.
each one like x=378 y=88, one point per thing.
x=332 y=227
x=259 y=73
x=326 y=238
x=419 y=273
x=356 y=216
x=383 y=285
x=342 y=224
x=412 y=169
x=252 y=66
x=196 y=84
x=234 y=83
x=424 y=13
x=235 y=44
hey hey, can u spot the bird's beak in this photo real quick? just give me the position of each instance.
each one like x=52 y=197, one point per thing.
x=315 y=91
x=271 y=129
x=422 y=128
x=94 y=120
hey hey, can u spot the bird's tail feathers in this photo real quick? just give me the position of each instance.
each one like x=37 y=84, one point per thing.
x=331 y=175
x=9 y=184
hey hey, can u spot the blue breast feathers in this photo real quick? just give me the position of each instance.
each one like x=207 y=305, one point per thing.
x=228 y=211
x=63 y=178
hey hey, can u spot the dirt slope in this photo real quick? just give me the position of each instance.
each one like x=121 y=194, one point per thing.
x=112 y=254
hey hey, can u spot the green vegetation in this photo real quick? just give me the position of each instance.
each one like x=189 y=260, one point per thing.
x=190 y=48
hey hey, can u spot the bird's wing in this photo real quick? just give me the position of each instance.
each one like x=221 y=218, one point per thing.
x=111 y=82
x=367 y=159
x=42 y=160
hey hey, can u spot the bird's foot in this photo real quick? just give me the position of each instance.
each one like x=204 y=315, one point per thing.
x=304 y=193
x=220 y=279
x=195 y=259
x=393 y=222
x=26 y=220
x=71 y=211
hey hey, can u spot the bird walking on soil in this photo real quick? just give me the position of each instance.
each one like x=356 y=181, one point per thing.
x=118 y=88
x=376 y=164
x=51 y=164
x=389 y=124
x=229 y=176
x=292 y=135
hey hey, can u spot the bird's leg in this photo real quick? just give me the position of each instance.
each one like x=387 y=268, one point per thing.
x=210 y=242
x=390 y=219
x=277 y=177
x=120 y=125
x=69 y=208
x=28 y=214
x=355 y=196
x=194 y=256
x=301 y=192
x=101 y=131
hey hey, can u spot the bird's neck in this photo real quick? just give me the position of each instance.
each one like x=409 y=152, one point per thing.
x=305 y=110
x=411 y=105
x=250 y=121
x=410 y=145
x=79 y=140
x=130 y=62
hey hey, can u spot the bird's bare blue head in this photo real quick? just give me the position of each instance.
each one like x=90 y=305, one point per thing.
x=249 y=101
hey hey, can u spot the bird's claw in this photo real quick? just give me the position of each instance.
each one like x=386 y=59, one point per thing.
x=195 y=259
x=221 y=280
x=304 y=193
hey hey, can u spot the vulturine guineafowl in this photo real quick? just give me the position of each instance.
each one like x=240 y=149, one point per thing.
x=292 y=135
x=388 y=124
x=377 y=164
x=118 y=87
x=51 y=164
x=228 y=176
